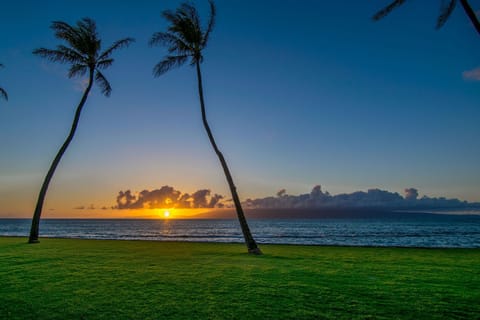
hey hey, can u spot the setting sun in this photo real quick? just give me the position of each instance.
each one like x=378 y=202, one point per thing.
x=166 y=213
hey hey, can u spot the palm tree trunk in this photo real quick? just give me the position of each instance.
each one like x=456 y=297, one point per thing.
x=250 y=242
x=471 y=14
x=43 y=191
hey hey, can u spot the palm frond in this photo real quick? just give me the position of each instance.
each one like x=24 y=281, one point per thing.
x=103 y=83
x=88 y=41
x=76 y=36
x=445 y=12
x=123 y=43
x=64 y=31
x=196 y=59
x=163 y=38
x=185 y=23
x=103 y=64
x=3 y=94
x=55 y=55
x=82 y=50
x=88 y=25
x=211 y=23
x=174 y=43
x=169 y=63
x=77 y=70
x=385 y=11
x=87 y=30
x=170 y=16
x=73 y=54
x=189 y=14
x=474 y=18
x=184 y=37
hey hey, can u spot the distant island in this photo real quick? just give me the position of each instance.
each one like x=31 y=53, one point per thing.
x=338 y=213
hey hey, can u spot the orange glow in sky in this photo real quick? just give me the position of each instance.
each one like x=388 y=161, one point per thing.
x=164 y=213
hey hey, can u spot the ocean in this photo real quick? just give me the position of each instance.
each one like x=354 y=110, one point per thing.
x=405 y=230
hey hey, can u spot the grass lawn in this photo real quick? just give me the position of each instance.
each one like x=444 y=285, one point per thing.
x=99 y=279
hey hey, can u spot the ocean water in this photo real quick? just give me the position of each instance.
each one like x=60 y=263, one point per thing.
x=410 y=231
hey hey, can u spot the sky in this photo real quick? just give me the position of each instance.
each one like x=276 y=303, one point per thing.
x=298 y=94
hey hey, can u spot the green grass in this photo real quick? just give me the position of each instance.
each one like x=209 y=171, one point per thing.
x=96 y=279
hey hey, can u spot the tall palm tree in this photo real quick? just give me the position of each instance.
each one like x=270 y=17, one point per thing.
x=3 y=93
x=446 y=10
x=185 y=39
x=83 y=53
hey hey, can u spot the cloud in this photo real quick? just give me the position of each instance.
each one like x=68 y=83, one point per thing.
x=159 y=198
x=90 y=207
x=200 y=198
x=472 y=75
x=372 y=198
x=411 y=194
x=214 y=201
x=80 y=84
x=167 y=197
x=281 y=193
x=125 y=200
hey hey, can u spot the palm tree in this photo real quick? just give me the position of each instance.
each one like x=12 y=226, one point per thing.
x=185 y=39
x=3 y=93
x=83 y=53
x=446 y=10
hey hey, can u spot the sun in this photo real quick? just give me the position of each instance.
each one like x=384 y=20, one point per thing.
x=166 y=213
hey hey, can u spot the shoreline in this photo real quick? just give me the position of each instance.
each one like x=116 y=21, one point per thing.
x=243 y=244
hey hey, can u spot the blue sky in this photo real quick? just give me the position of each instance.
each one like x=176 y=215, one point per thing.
x=298 y=93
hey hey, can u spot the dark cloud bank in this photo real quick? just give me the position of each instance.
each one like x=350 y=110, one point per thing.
x=167 y=197
x=373 y=198
x=374 y=203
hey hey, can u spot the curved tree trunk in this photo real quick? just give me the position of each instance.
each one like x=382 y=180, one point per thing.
x=471 y=14
x=43 y=191
x=249 y=241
